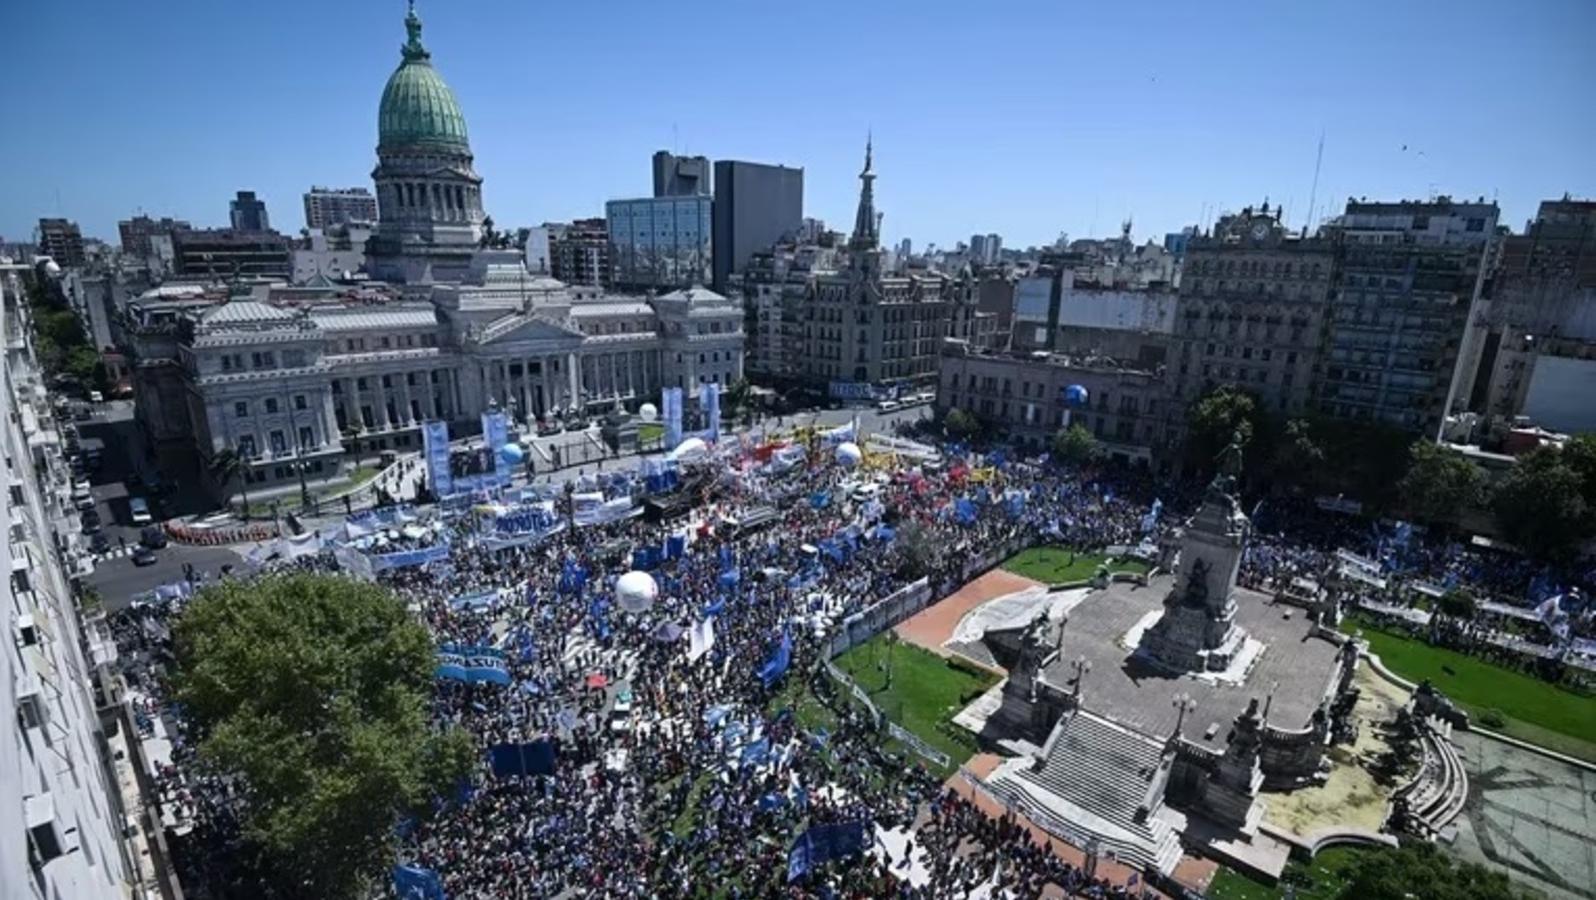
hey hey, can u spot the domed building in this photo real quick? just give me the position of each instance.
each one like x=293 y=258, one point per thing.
x=429 y=198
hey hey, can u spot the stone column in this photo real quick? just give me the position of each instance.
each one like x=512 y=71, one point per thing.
x=352 y=405
x=546 y=372
x=526 y=389
x=379 y=403
x=406 y=413
x=329 y=420
x=503 y=395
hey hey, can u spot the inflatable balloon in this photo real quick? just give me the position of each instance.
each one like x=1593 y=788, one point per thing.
x=848 y=454
x=512 y=454
x=636 y=591
x=648 y=412
x=1076 y=395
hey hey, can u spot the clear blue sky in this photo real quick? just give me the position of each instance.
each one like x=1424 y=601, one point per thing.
x=1020 y=118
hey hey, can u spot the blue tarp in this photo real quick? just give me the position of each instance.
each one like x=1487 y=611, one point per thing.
x=534 y=758
x=823 y=843
x=417 y=883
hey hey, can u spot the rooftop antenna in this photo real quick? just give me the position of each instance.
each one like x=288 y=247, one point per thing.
x=1318 y=160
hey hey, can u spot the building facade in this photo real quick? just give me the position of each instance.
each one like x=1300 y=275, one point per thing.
x=62 y=241
x=294 y=379
x=225 y=253
x=70 y=834
x=659 y=242
x=326 y=207
x=1251 y=313
x=248 y=213
x=756 y=206
x=579 y=253
x=868 y=331
x=681 y=176
x=1410 y=276
x=136 y=234
x=1022 y=396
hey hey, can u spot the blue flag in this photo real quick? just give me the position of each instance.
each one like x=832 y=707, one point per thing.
x=776 y=665
x=417 y=883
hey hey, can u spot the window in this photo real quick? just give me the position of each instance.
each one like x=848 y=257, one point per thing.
x=307 y=437
x=271 y=405
x=241 y=409
x=227 y=363
x=246 y=445
x=300 y=402
x=279 y=443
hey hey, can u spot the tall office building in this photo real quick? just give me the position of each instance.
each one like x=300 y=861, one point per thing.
x=756 y=205
x=247 y=213
x=1411 y=273
x=659 y=242
x=138 y=233
x=579 y=253
x=680 y=176
x=325 y=207
x=62 y=241
x=224 y=254
x=59 y=765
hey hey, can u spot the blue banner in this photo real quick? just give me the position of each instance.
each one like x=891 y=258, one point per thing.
x=823 y=843
x=534 y=758
x=417 y=883
x=477 y=600
x=407 y=558
x=776 y=665
x=496 y=433
x=709 y=403
x=472 y=663
x=435 y=449
x=670 y=411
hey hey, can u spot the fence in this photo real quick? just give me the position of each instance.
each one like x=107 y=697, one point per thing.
x=881 y=615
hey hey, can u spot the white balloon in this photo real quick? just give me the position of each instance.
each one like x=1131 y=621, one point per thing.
x=636 y=591
x=648 y=412
x=849 y=454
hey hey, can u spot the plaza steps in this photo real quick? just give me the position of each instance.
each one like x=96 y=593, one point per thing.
x=1437 y=795
x=1094 y=778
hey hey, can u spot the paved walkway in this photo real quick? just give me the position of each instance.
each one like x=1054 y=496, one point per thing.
x=933 y=626
x=1529 y=816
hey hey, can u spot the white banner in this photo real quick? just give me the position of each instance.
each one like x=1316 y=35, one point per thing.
x=700 y=638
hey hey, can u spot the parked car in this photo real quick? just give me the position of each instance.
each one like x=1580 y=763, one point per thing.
x=153 y=537
x=99 y=543
x=90 y=521
x=143 y=556
x=96 y=397
x=139 y=508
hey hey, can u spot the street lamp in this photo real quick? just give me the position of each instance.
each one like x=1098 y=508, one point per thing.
x=1183 y=703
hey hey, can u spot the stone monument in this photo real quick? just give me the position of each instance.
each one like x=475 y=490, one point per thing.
x=1229 y=792
x=1198 y=631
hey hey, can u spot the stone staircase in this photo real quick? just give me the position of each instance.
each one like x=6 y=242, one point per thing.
x=1436 y=796
x=1095 y=777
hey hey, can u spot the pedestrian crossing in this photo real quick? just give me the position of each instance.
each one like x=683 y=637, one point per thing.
x=115 y=553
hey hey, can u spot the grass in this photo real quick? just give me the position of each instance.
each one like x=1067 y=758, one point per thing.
x=1322 y=879
x=1056 y=565
x=924 y=692
x=287 y=503
x=1533 y=710
x=650 y=431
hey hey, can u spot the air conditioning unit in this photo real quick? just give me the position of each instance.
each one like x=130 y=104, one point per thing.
x=44 y=836
x=31 y=708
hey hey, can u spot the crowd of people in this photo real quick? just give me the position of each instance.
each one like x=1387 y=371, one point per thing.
x=679 y=776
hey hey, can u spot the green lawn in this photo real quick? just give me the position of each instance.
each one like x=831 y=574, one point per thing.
x=1533 y=710
x=1055 y=565
x=924 y=692
x=1320 y=880
x=650 y=431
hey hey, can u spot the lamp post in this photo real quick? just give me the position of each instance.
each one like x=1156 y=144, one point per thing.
x=1183 y=703
x=1081 y=667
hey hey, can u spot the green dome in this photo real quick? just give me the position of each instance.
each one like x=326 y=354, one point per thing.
x=417 y=107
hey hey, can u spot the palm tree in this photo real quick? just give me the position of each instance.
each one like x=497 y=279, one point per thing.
x=737 y=394
x=228 y=465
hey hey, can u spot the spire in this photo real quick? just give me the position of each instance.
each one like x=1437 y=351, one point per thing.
x=412 y=50
x=866 y=224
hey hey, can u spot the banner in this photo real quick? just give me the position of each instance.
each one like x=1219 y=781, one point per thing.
x=435 y=449
x=823 y=843
x=496 y=433
x=408 y=558
x=700 y=638
x=472 y=663
x=532 y=758
x=671 y=414
x=417 y=883
x=709 y=402
x=780 y=659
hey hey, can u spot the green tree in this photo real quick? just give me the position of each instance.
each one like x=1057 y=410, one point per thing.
x=916 y=550
x=1580 y=455
x=738 y=394
x=1298 y=460
x=227 y=465
x=1419 y=870
x=961 y=423
x=1458 y=603
x=1540 y=505
x=1215 y=419
x=1074 y=444
x=312 y=691
x=1439 y=482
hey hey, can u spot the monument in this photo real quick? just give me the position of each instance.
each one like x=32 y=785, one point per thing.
x=1198 y=630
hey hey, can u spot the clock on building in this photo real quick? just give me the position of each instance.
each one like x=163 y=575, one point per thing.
x=1260 y=231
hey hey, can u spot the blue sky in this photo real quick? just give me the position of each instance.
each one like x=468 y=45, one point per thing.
x=1026 y=119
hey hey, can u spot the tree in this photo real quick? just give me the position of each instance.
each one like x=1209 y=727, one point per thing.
x=1419 y=870
x=961 y=423
x=1298 y=459
x=1540 y=505
x=227 y=465
x=1215 y=419
x=1439 y=482
x=312 y=693
x=1458 y=603
x=1074 y=444
x=1580 y=455
x=737 y=396
x=916 y=551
